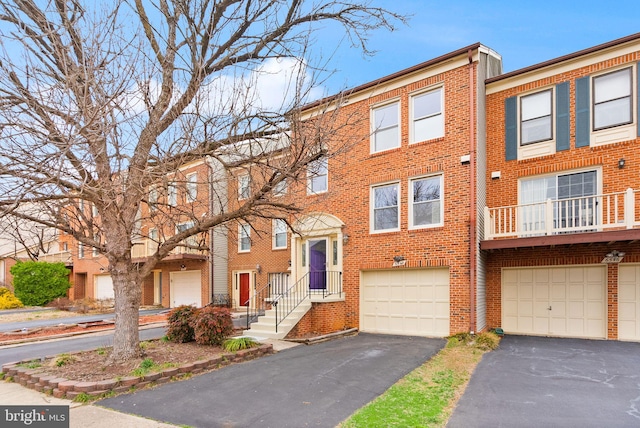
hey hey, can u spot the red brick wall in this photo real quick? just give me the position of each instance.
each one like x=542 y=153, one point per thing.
x=322 y=318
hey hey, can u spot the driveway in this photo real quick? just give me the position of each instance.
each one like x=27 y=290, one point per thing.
x=317 y=385
x=549 y=382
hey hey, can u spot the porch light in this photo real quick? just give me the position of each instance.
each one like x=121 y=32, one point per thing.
x=398 y=259
x=615 y=253
x=259 y=269
x=621 y=163
x=345 y=239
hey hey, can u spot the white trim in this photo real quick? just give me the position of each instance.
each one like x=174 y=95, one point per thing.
x=244 y=188
x=191 y=196
x=372 y=201
x=311 y=176
x=541 y=148
x=244 y=227
x=412 y=120
x=373 y=129
x=410 y=202
x=274 y=234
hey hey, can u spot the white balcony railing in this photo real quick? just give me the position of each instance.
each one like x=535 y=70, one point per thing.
x=147 y=247
x=553 y=217
x=63 y=256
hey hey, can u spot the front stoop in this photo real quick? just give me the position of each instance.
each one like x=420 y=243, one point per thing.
x=265 y=327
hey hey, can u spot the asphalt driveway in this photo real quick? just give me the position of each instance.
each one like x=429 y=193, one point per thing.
x=318 y=385
x=549 y=382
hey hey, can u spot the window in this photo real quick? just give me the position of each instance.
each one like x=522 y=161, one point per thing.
x=94 y=252
x=244 y=241
x=244 y=187
x=535 y=118
x=426 y=207
x=65 y=246
x=574 y=201
x=80 y=250
x=153 y=199
x=172 y=194
x=280 y=189
x=427 y=117
x=190 y=242
x=385 y=207
x=94 y=210
x=612 y=101
x=192 y=187
x=279 y=234
x=317 y=176
x=386 y=132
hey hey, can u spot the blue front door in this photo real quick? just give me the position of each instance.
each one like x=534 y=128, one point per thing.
x=318 y=264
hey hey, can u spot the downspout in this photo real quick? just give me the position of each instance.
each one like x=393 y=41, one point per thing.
x=472 y=201
x=211 y=249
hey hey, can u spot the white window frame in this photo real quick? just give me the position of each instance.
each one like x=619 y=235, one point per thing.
x=94 y=250
x=321 y=175
x=153 y=198
x=522 y=120
x=415 y=120
x=375 y=130
x=279 y=228
x=94 y=210
x=191 y=187
x=373 y=208
x=440 y=178
x=80 y=250
x=172 y=194
x=280 y=189
x=538 y=148
x=244 y=233
x=619 y=132
x=244 y=186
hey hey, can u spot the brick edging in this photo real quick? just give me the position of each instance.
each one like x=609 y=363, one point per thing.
x=63 y=388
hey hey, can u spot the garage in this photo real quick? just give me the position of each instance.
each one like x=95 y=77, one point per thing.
x=412 y=302
x=555 y=301
x=104 y=287
x=185 y=288
x=629 y=302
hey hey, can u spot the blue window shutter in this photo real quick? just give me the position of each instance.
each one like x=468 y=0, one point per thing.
x=511 y=128
x=638 y=99
x=562 y=116
x=583 y=113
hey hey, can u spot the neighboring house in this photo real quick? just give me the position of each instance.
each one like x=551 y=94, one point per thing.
x=563 y=195
x=388 y=241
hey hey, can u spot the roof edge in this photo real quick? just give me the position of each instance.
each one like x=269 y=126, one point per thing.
x=564 y=58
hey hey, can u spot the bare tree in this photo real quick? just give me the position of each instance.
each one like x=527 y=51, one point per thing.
x=101 y=104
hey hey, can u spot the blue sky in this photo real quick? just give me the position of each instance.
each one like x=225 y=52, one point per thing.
x=523 y=32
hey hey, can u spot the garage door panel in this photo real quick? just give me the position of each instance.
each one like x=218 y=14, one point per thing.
x=564 y=301
x=629 y=302
x=408 y=302
x=186 y=288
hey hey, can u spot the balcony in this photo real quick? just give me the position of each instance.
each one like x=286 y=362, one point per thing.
x=147 y=247
x=61 y=257
x=597 y=218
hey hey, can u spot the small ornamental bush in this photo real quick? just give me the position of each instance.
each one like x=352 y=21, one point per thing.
x=212 y=325
x=487 y=341
x=180 y=324
x=238 y=343
x=38 y=283
x=8 y=300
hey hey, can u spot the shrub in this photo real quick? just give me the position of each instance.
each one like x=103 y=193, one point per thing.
x=61 y=303
x=238 y=343
x=38 y=283
x=212 y=325
x=8 y=300
x=487 y=340
x=180 y=324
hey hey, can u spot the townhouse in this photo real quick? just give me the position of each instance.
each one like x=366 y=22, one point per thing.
x=563 y=179
x=387 y=242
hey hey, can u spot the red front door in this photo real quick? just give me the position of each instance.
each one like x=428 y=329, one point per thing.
x=244 y=289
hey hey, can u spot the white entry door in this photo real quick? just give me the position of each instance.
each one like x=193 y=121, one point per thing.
x=555 y=301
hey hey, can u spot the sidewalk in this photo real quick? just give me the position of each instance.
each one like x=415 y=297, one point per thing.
x=80 y=415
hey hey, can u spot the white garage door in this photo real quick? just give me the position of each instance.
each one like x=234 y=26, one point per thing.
x=104 y=287
x=555 y=301
x=629 y=302
x=185 y=288
x=407 y=302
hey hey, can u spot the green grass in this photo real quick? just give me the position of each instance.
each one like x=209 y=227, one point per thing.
x=238 y=343
x=149 y=366
x=425 y=397
x=33 y=364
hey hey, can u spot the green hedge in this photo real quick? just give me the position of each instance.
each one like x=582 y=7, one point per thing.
x=38 y=283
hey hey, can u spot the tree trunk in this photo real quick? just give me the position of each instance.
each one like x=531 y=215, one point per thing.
x=126 y=339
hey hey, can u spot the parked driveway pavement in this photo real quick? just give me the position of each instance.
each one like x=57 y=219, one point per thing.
x=549 y=382
x=317 y=385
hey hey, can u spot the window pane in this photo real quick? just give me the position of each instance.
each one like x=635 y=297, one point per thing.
x=536 y=105
x=426 y=213
x=318 y=184
x=427 y=104
x=281 y=240
x=385 y=218
x=427 y=189
x=386 y=139
x=386 y=196
x=536 y=130
x=612 y=113
x=428 y=128
x=612 y=86
x=385 y=117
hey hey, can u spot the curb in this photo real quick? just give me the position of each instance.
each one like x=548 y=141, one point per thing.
x=63 y=388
